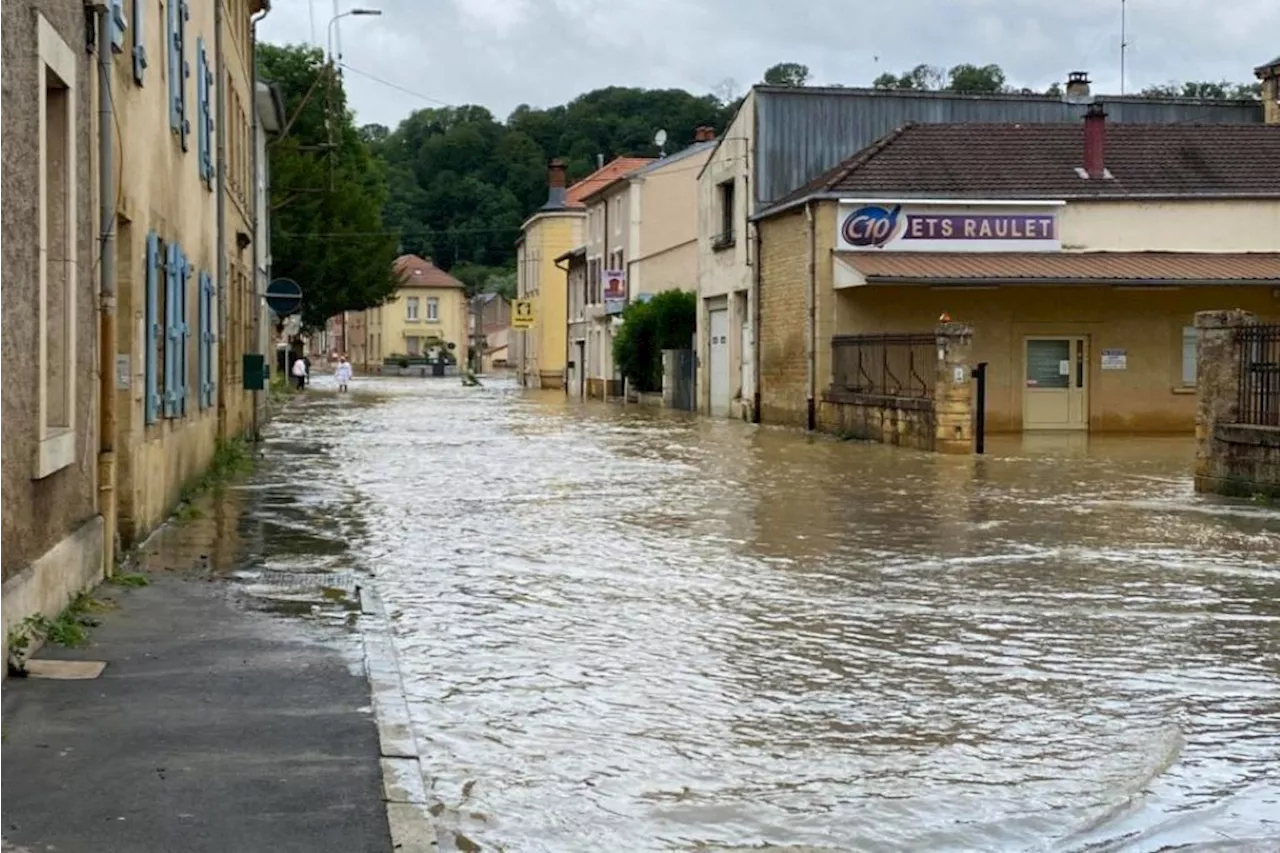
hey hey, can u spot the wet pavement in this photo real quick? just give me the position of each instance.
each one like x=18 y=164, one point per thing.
x=627 y=629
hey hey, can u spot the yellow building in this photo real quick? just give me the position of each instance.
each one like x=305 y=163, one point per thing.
x=1078 y=256
x=184 y=296
x=426 y=319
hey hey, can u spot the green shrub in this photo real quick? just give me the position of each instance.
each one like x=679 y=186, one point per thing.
x=667 y=321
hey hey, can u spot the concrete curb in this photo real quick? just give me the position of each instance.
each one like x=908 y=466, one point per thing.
x=412 y=827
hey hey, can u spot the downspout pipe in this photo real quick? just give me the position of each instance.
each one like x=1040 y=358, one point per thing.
x=106 y=297
x=257 y=208
x=753 y=308
x=810 y=316
x=221 y=179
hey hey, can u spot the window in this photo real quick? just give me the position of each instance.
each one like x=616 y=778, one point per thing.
x=1189 y=356
x=413 y=344
x=139 y=42
x=57 y=264
x=179 y=69
x=617 y=215
x=593 y=281
x=411 y=308
x=725 y=239
x=433 y=309
x=167 y=332
x=204 y=115
x=177 y=271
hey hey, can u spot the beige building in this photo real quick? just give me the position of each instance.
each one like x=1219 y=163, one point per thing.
x=53 y=543
x=642 y=232
x=1269 y=75
x=427 y=320
x=538 y=353
x=782 y=137
x=1078 y=254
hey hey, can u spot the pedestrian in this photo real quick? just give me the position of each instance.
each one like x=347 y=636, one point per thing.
x=306 y=361
x=300 y=373
x=343 y=373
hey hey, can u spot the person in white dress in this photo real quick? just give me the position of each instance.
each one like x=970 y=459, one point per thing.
x=342 y=373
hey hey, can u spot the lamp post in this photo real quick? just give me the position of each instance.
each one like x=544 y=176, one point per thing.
x=339 y=17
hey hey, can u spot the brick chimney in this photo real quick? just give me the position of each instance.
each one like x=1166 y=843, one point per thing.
x=555 y=185
x=704 y=134
x=1095 y=143
x=1269 y=76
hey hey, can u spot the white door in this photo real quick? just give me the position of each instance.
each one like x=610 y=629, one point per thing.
x=1055 y=396
x=748 y=359
x=718 y=362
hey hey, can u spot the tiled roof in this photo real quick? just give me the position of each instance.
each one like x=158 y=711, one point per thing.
x=420 y=272
x=1267 y=65
x=1051 y=267
x=602 y=177
x=1040 y=161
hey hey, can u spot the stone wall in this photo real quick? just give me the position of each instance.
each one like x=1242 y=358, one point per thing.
x=1240 y=460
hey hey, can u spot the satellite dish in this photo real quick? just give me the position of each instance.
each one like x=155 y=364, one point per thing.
x=660 y=140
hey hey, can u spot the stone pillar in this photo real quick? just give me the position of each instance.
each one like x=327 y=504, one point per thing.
x=1217 y=383
x=953 y=389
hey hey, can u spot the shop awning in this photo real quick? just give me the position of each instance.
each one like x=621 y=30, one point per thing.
x=1136 y=269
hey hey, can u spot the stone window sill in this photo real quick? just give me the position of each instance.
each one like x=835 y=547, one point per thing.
x=57 y=451
x=1184 y=389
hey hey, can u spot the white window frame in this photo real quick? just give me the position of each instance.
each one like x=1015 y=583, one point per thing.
x=56 y=447
x=1188 y=336
x=433 y=309
x=411 y=309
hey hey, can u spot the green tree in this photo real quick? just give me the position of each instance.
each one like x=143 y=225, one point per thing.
x=327 y=192
x=667 y=321
x=976 y=79
x=787 y=74
x=1204 y=90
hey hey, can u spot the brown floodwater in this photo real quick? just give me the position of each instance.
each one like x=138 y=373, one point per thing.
x=630 y=630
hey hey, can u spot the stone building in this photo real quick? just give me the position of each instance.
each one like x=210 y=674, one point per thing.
x=1078 y=254
x=53 y=542
x=427 y=317
x=782 y=137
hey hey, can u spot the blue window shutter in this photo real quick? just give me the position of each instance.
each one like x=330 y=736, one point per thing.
x=184 y=333
x=119 y=23
x=175 y=65
x=202 y=114
x=184 y=14
x=153 y=327
x=212 y=314
x=139 y=41
x=202 y=340
x=207 y=127
x=171 y=331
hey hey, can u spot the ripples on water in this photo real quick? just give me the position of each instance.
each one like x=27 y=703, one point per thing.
x=636 y=631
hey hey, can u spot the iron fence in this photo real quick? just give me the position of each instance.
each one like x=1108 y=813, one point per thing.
x=892 y=365
x=1259 y=348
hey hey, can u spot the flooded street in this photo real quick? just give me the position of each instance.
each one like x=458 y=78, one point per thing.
x=627 y=630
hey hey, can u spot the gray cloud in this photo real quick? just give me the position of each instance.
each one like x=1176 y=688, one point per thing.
x=501 y=53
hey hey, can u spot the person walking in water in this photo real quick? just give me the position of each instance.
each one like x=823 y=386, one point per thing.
x=300 y=373
x=342 y=373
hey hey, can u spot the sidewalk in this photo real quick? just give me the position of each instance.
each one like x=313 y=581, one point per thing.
x=216 y=727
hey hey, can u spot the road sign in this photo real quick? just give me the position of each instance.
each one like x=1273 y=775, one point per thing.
x=522 y=314
x=284 y=297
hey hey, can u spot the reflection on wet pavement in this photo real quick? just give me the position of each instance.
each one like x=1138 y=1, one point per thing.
x=626 y=629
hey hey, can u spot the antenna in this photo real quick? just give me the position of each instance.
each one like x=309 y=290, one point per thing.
x=660 y=140
x=1124 y=44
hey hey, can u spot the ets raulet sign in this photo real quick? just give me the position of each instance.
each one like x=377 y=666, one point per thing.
x=944 y=227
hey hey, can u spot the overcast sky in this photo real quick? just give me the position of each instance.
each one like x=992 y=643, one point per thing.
x=502 y=53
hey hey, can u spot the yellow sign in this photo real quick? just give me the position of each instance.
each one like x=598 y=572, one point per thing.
x=522 y=314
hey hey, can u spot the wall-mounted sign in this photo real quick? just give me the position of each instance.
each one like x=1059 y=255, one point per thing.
x=615 y=291
x=1115 y=359
x=522 y=314
x=947 y=227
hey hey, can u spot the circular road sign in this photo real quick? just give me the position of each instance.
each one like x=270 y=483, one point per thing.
x=284 y=296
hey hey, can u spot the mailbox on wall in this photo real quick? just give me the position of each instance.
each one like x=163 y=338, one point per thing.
x=255 y=371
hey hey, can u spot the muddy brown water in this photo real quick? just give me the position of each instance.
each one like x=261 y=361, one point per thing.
x=623 y=629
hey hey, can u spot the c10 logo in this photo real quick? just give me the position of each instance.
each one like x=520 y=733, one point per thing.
x=871 y=226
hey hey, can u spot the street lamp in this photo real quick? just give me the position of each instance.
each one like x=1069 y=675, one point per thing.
x=337 y=18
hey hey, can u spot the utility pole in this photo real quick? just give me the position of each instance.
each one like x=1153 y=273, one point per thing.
x=1124 y=44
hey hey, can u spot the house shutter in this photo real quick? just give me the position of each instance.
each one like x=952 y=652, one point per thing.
x=139 y=42
x=184 y=15
x=209 y=110
x=119 y=24
x=184 y=333
x=202 y=114
x=171 y=274
x=175 y=65
x=152 y=403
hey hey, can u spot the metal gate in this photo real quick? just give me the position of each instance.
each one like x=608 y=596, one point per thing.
x=680 y=371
